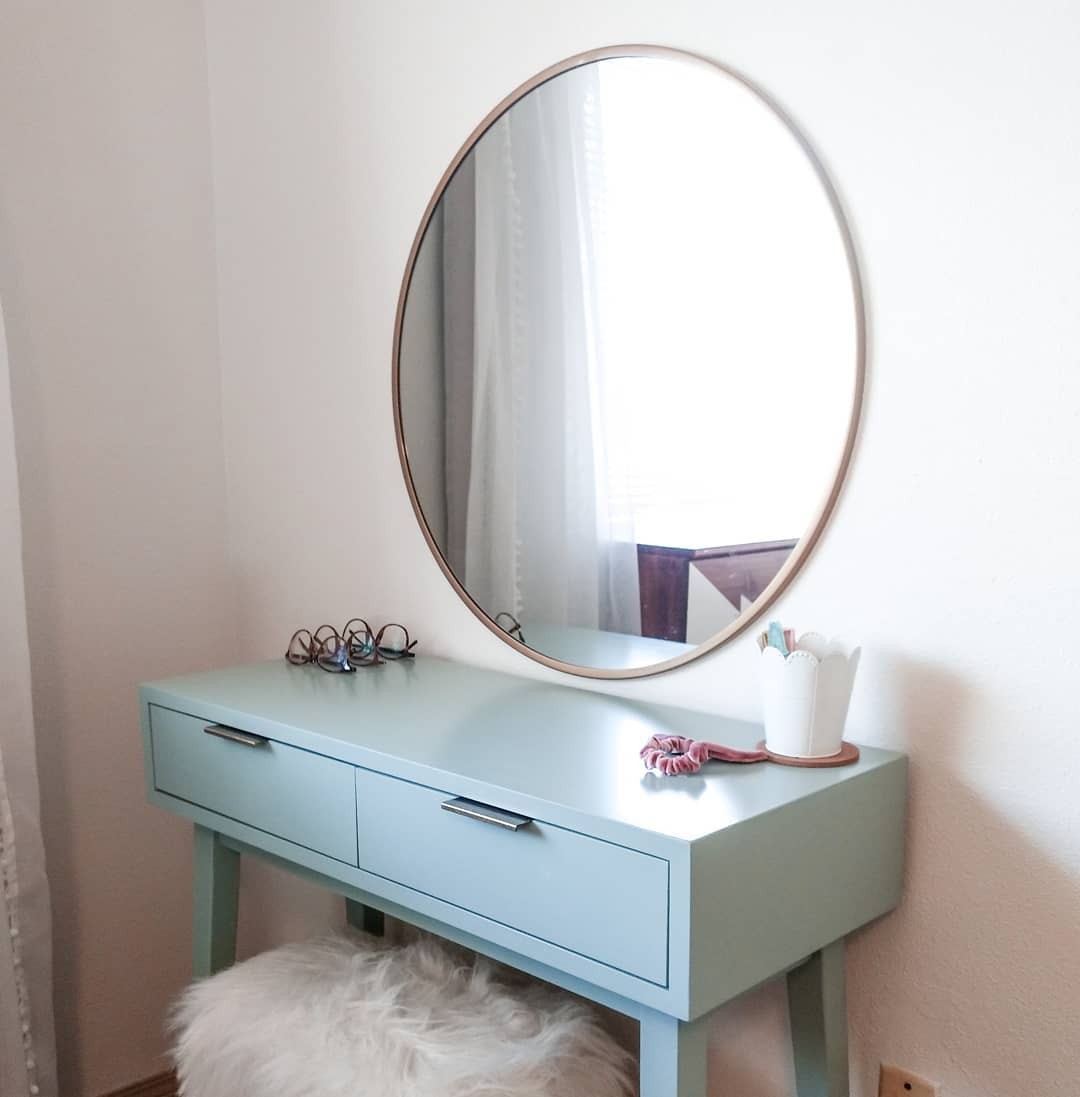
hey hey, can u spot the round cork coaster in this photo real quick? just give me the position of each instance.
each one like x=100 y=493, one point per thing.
x=849 y=753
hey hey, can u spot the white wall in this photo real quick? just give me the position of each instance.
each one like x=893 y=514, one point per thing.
x=949 y=128
x=107 y=277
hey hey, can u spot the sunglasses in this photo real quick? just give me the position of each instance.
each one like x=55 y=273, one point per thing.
x=356 y=645
x=510 y=625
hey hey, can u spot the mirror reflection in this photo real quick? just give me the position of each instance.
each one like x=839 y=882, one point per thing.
x=627 y=361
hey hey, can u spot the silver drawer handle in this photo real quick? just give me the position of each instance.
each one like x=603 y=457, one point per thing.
x=485 y=814
x=235 y=736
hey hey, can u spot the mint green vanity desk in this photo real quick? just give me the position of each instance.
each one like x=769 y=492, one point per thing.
x=660 y=897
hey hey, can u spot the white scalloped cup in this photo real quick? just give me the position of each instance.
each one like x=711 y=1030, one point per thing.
x=805 y=696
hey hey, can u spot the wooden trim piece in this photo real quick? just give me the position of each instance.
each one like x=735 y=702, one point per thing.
x=737 y=571
x=160 y=1085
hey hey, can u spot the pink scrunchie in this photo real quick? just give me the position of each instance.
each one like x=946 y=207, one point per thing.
x=672 y=754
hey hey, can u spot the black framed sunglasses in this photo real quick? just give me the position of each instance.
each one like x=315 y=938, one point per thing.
x=512 y=626
x=355 y=646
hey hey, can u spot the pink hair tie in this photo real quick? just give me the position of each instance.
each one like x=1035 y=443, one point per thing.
x=672 y=754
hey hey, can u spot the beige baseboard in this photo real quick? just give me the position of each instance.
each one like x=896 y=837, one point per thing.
x=161 y=1085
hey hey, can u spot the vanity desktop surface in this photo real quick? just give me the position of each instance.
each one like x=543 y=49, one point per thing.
x=542 y=747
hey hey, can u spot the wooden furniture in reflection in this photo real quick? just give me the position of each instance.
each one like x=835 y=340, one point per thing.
x=737 y=571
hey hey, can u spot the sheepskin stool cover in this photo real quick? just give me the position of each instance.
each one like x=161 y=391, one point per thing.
x=352 y=1017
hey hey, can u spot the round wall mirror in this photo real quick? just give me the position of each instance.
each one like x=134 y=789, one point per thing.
x=628 y=361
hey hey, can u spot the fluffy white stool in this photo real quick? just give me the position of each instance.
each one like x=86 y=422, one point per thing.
x=352 y=1017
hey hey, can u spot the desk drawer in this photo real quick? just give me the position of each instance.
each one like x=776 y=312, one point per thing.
x=297 y=795
x=601 y=900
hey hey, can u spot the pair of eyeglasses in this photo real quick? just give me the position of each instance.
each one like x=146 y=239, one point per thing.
x=356 y=645
x=510 y=625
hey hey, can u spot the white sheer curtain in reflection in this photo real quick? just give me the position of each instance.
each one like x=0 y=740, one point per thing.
x=543 y=538
x=27 y=1056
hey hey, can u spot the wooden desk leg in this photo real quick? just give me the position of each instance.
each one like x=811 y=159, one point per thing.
x=363 y=917
x=673 y=1056
x=817 y=1001
x=217 y=880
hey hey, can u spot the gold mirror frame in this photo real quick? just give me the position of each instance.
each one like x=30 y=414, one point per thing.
x=805 y=543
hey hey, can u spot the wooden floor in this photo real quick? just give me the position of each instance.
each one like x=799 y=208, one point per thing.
x=161 y=1085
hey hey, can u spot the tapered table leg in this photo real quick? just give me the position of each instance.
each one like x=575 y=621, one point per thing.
x=364 y=917
x=817 y=1000
x=673 y=1056
x=217 y=880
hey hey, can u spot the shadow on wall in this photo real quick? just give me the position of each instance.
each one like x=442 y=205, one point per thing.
x=952 y=985
x=750 y=1046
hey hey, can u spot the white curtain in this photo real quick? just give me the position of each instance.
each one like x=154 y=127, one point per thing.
x=27 y=1055
x=543 y=539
